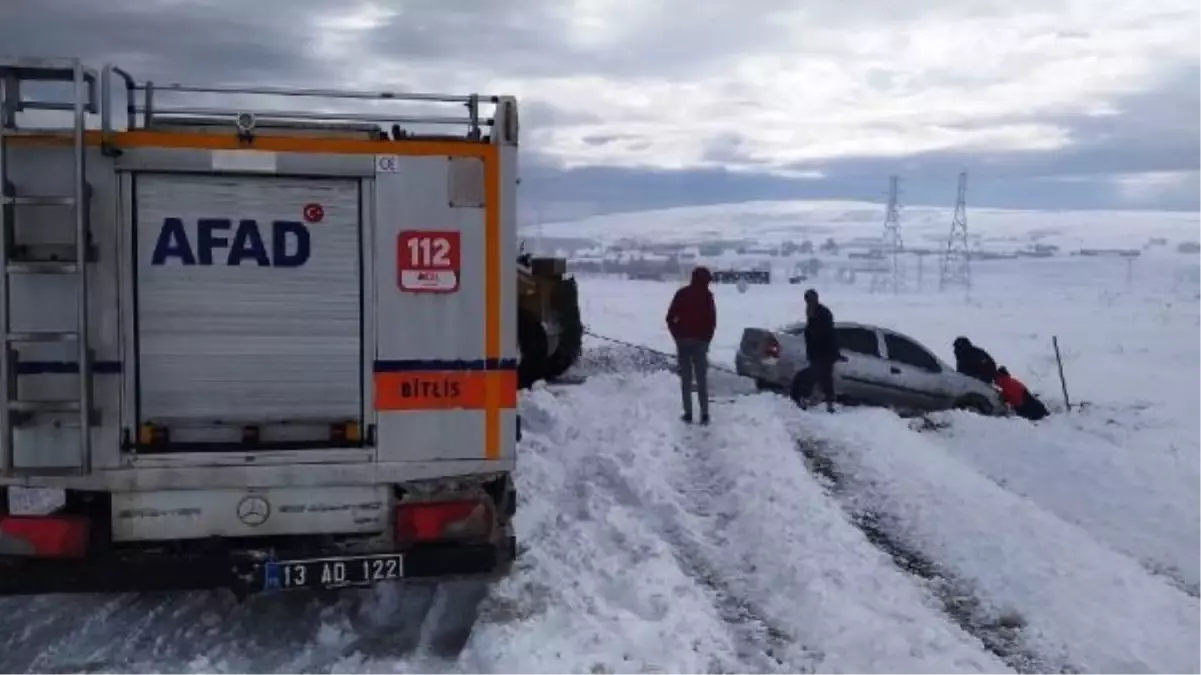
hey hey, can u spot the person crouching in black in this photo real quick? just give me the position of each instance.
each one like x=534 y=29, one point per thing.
x=821 y=345
x=973 y=361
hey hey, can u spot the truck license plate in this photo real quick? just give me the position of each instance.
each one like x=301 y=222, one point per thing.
x=332 y=572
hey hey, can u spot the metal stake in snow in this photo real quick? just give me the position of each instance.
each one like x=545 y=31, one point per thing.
x=1067 y=404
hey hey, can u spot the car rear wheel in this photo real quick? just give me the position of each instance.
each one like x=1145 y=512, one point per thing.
x=975 y=403
x=802 y=387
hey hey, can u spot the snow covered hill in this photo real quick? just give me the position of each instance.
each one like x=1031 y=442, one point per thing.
x=771 y=222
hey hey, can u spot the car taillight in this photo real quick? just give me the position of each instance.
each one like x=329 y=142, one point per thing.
x=44 y=536
x=466 y=519
x=772 y=348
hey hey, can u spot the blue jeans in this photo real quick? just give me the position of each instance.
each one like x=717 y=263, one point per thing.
x=693 y=363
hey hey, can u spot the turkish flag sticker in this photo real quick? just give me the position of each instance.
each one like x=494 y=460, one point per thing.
x=313 y=213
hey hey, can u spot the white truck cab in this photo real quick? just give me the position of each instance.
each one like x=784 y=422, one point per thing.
x=253 y=348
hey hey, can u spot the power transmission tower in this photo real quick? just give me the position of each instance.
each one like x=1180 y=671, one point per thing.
x=892 y=245
x=956 y=267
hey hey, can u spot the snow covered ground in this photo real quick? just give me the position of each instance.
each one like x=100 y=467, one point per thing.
x=790 y=541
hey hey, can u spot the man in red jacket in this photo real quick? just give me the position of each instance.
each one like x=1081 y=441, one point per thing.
x=1023 y=402
x=692 y=319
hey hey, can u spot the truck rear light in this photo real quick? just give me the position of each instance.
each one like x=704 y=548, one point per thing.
x=466 y=519
x=150 y=434
x=345 y=432
x=771 y=348
x=44 y=536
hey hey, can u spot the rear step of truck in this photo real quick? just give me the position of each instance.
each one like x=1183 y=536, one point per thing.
x=20 y=259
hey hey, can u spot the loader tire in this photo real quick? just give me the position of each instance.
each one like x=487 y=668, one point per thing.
x=565 y=302
x=531 y=341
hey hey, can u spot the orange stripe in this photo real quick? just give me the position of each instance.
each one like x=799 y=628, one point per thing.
x=445 y=390
x=498 y=386
x=194 y=141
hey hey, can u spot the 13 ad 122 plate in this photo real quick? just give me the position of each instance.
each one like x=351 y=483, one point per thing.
x=282 y=575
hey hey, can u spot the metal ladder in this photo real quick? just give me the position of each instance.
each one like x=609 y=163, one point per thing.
x=14 y=259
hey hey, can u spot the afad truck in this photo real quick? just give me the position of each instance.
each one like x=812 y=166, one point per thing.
x=253 y=349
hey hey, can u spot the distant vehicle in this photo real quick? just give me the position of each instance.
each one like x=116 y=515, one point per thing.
x=735 y=276
x=883 y=368
x=645 y=276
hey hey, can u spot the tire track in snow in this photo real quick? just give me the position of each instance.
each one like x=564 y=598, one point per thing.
x=598 y=587
x=1140 y=507
x=1172 y=576
x=703 y=486
x=775 y=553
x=760 y=645
x=1000 y=634
x=1087 y=605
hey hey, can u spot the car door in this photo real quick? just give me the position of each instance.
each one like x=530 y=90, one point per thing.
x=864 y=375
x=915 y=375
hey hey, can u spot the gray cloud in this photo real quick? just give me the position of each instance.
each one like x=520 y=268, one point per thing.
x=165 y=40
x=668 y=38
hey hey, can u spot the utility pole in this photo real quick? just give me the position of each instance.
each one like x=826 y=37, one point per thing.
x=956 y=260
x=892 y=245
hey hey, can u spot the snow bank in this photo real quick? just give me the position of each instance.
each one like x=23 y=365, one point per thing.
x=1084 y=604
x=596 y=585
x=1097 y=473
x=655 y=546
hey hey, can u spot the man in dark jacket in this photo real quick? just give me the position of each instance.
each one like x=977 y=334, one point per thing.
x=973 y=361
x=821 y=345
x=692 y=319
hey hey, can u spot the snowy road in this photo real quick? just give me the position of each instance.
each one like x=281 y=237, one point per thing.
x=668 y=528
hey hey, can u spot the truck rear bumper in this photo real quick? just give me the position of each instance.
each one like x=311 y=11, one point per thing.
x=240 y=572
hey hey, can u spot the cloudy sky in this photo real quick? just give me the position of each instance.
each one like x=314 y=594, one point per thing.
x=630 y=104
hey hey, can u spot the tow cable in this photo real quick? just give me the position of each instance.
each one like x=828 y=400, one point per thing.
x=654 y=351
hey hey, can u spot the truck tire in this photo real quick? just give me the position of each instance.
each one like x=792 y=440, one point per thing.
x=802 y=387
x=974 y=403
x=565 y=303
x=531 y=341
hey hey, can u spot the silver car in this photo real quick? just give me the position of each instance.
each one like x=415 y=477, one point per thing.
x=882 y=368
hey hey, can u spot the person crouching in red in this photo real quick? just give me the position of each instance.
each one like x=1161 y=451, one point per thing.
x=1018 y=397
x=692 y=320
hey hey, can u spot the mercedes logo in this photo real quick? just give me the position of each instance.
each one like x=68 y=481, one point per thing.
x=253 y=510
